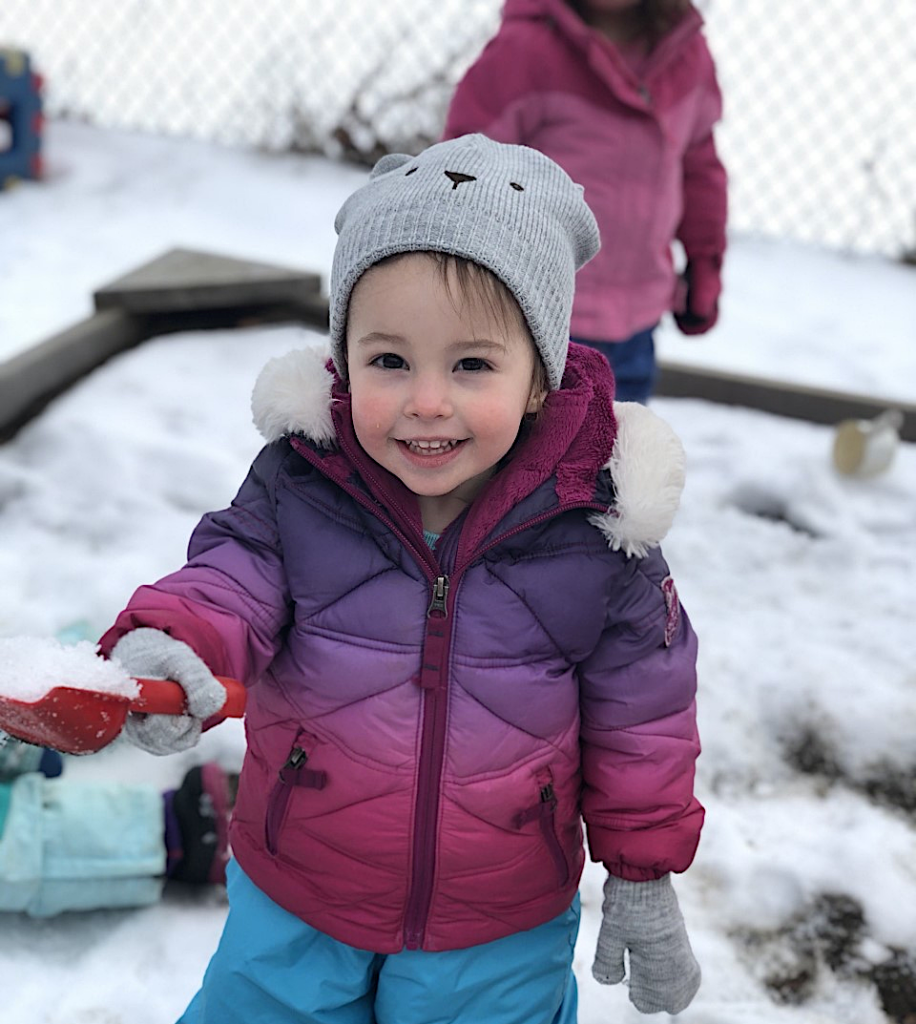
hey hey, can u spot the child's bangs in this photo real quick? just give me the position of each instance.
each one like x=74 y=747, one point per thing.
x=482 y=287
x=466 y=280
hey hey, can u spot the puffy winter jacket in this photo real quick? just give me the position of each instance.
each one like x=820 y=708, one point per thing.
x=427 y=728
x=643 y=149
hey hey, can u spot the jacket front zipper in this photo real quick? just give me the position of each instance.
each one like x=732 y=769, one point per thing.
x=433 y=682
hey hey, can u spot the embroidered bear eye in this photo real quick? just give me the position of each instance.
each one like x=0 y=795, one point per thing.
x=516 y=186
x=411 y=171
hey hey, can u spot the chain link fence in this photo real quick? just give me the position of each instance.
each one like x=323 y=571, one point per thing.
x=819 y=133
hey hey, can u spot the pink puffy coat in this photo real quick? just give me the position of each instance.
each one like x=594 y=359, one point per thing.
x=428 y=729
x=642 y=148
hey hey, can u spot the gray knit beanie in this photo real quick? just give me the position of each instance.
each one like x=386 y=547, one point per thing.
x=509 y=208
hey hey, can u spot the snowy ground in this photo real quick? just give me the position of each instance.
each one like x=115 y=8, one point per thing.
x=802 y=895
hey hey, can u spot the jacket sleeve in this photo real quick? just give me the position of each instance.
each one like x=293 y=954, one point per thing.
x=638 y=728
x=498 y=95
x=705 y=182
x=230 y=602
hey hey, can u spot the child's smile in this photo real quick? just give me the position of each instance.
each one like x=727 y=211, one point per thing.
x=440 y=382
x=433 y=452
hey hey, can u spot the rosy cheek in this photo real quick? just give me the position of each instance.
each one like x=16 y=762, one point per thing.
x=368 y=415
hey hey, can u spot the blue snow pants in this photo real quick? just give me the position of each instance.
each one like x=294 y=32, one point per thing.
x=272 y=968
x=633 y=363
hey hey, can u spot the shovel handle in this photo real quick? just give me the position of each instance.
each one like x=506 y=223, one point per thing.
x=165 y=697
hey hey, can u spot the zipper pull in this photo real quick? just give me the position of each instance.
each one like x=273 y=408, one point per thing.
x=297 y=758
x=547 y=794
x=440 y=595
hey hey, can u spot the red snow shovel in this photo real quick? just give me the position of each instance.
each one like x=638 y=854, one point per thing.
x=83 y=721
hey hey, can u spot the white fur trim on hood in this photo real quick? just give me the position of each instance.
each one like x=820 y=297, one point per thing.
x=647 y=467
x=293 y=396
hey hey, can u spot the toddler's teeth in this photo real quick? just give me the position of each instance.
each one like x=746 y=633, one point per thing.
x=430 y=446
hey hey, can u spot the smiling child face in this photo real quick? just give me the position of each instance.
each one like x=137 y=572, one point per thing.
x=440 y=381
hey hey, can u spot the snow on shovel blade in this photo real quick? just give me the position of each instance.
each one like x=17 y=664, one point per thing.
x=77 y=721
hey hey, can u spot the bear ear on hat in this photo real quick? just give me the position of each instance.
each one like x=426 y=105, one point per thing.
x=389 y=162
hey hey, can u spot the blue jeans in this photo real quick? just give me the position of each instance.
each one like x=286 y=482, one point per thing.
x=272 y=968
x=633 y=362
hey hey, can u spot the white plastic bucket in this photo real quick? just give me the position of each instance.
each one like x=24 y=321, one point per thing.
x=867 y=447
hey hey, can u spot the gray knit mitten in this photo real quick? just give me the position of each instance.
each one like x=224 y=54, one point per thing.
x=153 y=654
x=644 y=918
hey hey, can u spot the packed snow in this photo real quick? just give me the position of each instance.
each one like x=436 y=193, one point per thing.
x=800 y=904
x=30 y=666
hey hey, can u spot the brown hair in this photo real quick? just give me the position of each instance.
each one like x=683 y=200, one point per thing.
x=481 y=285
x=658 y=17
x=484 y=286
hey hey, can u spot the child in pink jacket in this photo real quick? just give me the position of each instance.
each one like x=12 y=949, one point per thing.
x=623 y=95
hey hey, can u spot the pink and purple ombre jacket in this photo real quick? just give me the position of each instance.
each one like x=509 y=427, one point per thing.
x=427 y=729
x=642 y=146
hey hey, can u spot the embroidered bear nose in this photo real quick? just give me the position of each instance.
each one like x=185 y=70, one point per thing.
x=458 y=178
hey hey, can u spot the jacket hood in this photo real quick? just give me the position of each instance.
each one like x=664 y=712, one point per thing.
x=560 y=10
x=582 y=433
x=569 y=22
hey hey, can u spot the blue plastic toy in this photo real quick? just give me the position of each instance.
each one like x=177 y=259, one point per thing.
x=20 y=118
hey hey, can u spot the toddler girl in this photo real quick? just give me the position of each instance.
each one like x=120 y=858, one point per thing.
x=441 y=581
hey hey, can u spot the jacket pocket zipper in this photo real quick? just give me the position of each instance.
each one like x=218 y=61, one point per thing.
x=544 y=812
x=292 y=774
